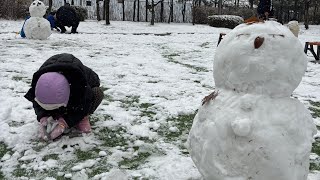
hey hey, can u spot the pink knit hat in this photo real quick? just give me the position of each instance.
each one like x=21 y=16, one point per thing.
x=52 y=91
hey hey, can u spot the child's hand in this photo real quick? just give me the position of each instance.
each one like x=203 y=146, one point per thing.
x=58 y=129
x=43 y=128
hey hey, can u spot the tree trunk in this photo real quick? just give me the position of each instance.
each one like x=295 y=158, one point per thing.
x=184 y=11
x=65 y=2
x=152 y=13
x=251 y=4
x=161 y=11
x=138 y=11
x=220 y=7
x=104 y=10
x=295 y=10
x=123 y=13
x=171 y=10
x=193 y=12
x=50 y=6
x=306 y=14
x=98 y=10
x=147 y=7
x=107 y=9
x=134 y=10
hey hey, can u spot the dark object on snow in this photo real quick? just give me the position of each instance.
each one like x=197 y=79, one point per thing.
x=51 y=19
x=264 y=9
x=67 y=16
x=226 y=21
x=85 y=93
x=22 y=34
x=210 y=97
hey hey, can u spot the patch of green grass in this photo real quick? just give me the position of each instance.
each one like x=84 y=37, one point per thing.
x=15 y=124
x=17 y=78
x=153 y=82
x=1 y=175
x=314 y=167
x=171 y=56
x=315 y=109
x=182 y=122
x=85 y=155
x=129 y=101
x=144 y=108
x=112 y=137
x=101 y=167
x=39 y=147
x=22 y=172
x=4 y=149
x=102 y=117
x=205 y=44
x=103 y=88
x=50 y=156
x=134 y=162
x=316 y=148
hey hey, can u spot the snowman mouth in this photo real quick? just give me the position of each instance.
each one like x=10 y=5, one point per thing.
x=273 y=35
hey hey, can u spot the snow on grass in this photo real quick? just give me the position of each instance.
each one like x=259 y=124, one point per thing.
x=153 y=78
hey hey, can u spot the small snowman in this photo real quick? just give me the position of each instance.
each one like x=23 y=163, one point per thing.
x=250 y=128
x=36 y=27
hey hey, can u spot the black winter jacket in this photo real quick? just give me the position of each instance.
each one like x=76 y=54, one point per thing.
x=81 y=78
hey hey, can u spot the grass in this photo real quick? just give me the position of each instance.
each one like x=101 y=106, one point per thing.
x=182 y=122
x=3 y=149
x=135 y=162
x=129 y=101
x=50 y=156
x=315 y=109
x=85 y=155
x=171 y=58
x=112 y=137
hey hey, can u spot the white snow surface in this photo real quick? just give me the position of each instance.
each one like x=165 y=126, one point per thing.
x=168 y=66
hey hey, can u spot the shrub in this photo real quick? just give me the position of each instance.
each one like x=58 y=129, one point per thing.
x=81 y=12
x=202 y=13
x=227 y=21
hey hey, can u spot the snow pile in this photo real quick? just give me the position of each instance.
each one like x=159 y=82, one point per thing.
x=253 y=129
x=36 y=27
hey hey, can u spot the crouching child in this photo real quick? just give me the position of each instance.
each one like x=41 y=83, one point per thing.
x=64 y=93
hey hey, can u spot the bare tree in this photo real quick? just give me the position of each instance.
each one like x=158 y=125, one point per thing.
x=106 y=6
x=220 y=7
x=98 y=10
x=153 y=5
x=306 y=13
x=134 y=10
x=50 y=6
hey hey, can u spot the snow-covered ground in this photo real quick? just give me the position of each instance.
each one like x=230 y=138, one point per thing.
x=154 y=78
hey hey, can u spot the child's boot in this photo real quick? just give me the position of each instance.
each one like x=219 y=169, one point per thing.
x=84 y=125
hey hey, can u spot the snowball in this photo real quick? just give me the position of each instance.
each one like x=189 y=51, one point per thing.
x=68 y=176
x=37 y=28
x=102 y=153
x=173 y=129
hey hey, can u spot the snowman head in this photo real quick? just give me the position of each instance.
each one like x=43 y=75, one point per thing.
x=260 y=58
x=37 y=9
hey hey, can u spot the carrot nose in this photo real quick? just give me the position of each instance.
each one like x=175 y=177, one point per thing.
x=258 y=42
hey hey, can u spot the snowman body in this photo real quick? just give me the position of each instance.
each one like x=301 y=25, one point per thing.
x=253 y=130
x=36 y=27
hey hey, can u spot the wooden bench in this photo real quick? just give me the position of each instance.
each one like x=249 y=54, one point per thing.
x=221 y=37
x=309 y=46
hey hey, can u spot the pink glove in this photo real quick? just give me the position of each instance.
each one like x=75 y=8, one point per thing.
x=43 y=128
x=59 y=129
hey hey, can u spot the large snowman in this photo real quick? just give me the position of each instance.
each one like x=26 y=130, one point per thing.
x=250 y=128
x=36 y=27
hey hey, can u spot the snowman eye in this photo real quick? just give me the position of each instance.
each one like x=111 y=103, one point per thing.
x=33 y=3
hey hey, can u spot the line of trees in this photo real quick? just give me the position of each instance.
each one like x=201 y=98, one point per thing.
x=306 y=11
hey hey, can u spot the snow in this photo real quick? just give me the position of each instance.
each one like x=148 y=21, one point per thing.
x=166 y=65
